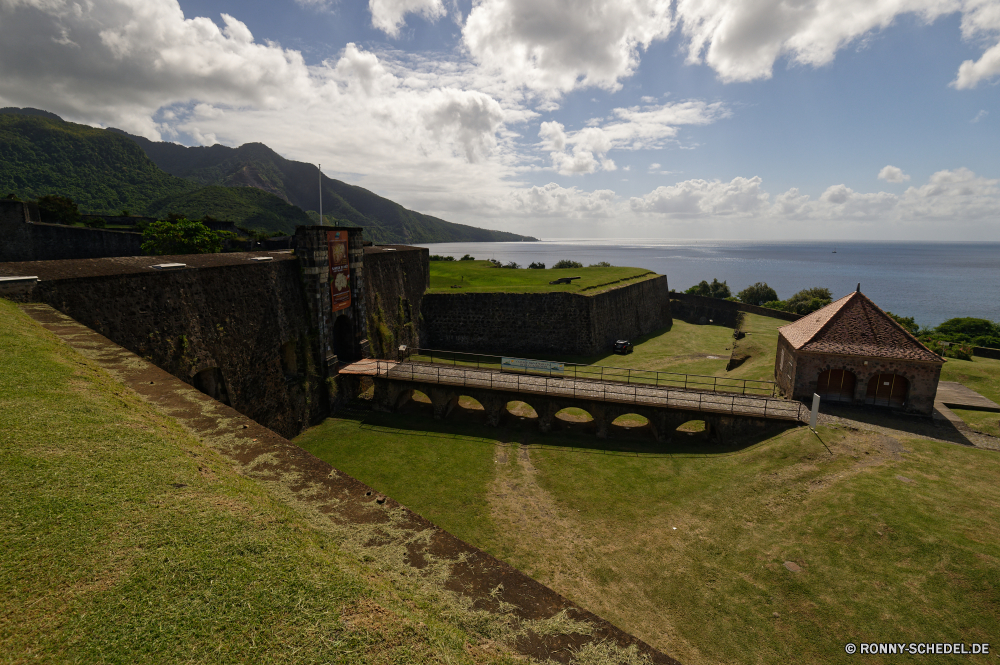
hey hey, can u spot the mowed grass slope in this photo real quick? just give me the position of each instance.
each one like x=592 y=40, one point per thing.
x=125 y=540
x=484 y=277
x=685 y=544
x=983 y=376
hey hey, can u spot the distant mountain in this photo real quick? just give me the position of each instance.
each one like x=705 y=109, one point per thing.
x=106 y=172
x=256 y=165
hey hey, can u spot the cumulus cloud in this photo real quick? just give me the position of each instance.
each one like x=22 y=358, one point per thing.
x=741 y=196
x=892 y=173
x=390 y=15
x=633 y=128
x=121 y=60
x=553 y=200
x=980 y=22
x=554 y=46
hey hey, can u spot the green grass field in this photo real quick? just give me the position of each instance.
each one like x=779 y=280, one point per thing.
x=685 y=544
x=125 y=540
x=483 y=277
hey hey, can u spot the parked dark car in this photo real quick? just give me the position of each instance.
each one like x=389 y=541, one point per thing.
x=623 y=346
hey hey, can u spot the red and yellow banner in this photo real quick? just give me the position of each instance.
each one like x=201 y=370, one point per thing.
x=340 y=270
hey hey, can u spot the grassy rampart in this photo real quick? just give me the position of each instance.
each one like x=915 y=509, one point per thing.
x=484 y=277
x=123 y=539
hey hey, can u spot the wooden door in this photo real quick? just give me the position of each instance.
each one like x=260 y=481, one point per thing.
x=887 y=390
x=836 y=385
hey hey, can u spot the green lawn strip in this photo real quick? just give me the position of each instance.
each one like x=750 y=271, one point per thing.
x=983 y=376
x=442 y=471
x=125 y=540
x=484 y=277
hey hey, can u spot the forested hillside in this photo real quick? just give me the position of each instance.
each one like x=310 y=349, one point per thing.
x=256 y=165
x=107 y=171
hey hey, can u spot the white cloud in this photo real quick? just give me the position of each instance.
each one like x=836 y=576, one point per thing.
x=741 y=196
x=390 y=15
x=119 y=61
x=979 y=116
x=633 y=128
x=980 y=22
x=552 y=200
x=892 y=174
x=554 y=46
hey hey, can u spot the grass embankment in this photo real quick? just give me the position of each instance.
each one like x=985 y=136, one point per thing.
x=124 y=539
x=983 y=376
x=685 y=544
x=484 y=277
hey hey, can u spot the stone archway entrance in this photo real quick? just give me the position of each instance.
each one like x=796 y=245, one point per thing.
x=887 y=390
x=836 y=385
x=343 y=339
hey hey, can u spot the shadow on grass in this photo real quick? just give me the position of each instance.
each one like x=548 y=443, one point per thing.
x=923 y=426
x=469 y=425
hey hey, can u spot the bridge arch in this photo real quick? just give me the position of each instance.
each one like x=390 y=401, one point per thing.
x=521 y=409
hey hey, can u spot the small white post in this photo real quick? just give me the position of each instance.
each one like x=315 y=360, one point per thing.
x=815 y=412
x=319 y=167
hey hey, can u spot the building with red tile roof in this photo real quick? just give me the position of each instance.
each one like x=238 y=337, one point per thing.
x=851 y=351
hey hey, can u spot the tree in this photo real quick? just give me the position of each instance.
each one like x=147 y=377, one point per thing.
x=467 y=257
x=512 y=264
x=180 y=237
x=807 y=301
x=537 y=266
x=907 y=323
x=600 y=264
x=758 y=294
x=58 y=210
x=566 y=263
x=716 y=289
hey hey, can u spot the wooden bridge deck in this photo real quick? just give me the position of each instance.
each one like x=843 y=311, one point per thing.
x=588 y=389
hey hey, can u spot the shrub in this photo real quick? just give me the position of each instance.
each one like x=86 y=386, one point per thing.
x=96 y=223
x=58 y=210
x=537 y=266
x=968 y=327
x=566 y=263
x=716 y=289
x=776 y=304
x=467 y=257
x=496 y=264
x=438 y=257
x=600 y=264
x=512 y=264
x=180 y=237
x=758 y=294
x=807 y=301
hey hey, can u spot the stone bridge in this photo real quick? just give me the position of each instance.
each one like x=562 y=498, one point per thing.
x=725 y=414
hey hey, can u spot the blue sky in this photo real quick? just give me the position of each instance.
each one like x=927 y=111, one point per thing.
x=858 y=119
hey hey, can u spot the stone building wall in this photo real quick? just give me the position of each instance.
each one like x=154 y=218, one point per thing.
x=923 y=376
x=551 y=323
x=396 y=277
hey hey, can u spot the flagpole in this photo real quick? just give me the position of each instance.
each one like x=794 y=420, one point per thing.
x=319 y=167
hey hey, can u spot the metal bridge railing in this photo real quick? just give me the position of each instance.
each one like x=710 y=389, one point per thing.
x=607 y=391
x=693 y=382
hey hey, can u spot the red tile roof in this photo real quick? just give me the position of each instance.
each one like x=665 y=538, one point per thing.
x=855 y=326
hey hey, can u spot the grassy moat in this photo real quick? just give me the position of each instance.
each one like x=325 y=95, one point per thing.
x=888 y=535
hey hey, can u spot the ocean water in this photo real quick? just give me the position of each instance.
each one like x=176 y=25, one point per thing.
x=931 y=282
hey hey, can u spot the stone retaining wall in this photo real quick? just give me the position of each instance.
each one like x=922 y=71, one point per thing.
x=557 y=323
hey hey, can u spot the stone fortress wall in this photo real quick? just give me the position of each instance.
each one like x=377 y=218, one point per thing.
x=396 y=277
x=24 y=239
x=547 y=323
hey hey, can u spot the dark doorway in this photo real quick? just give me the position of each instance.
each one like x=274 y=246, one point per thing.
x=887 y=390
x=343 y=339
x=836 y=385
x=210 y=382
